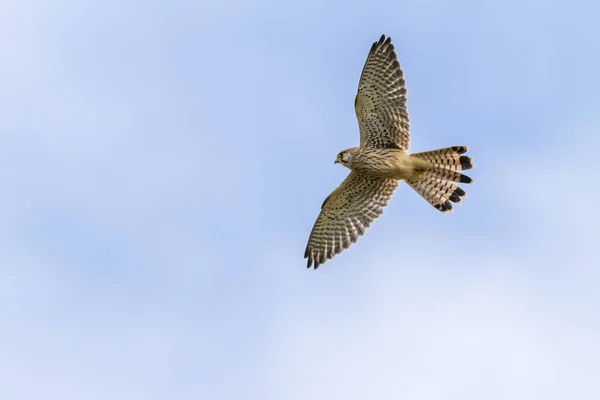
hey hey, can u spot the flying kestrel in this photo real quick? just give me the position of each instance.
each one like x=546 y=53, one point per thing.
x=382 y=160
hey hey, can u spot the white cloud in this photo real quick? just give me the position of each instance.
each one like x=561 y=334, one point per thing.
x=429 y=326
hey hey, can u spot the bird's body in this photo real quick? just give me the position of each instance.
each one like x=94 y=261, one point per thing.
x=385 y=163
x=382 y=160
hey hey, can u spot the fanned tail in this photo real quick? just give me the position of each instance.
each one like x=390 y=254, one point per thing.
x=436 y=185
x=448 y=158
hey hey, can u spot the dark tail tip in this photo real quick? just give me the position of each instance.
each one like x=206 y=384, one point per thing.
x=465 y=179
x=444 y=207
x=460 y=149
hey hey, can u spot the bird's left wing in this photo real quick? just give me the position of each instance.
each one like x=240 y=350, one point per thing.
x=345 y=215
x=380 y=102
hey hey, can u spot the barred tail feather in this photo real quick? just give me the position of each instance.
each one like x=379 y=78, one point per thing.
x=436 y=185
x=440 y=194
x=447 y=175
x=448 y=158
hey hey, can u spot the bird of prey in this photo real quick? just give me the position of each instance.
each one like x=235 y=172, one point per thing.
x=381 y=160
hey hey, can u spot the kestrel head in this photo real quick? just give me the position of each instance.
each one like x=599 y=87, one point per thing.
x=344 y=157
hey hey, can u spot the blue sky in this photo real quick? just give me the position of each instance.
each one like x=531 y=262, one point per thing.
x=163 y=164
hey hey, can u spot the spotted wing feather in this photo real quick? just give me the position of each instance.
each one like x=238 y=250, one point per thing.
x=346 y=214
x=380 y=103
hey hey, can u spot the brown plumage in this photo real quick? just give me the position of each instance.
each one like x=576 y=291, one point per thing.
x=346 y=214
x=381 y=161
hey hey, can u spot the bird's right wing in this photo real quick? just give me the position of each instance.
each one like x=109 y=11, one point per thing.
x=345 y=215
x=380 y=102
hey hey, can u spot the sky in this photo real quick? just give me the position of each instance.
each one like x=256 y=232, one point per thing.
x=162 y=164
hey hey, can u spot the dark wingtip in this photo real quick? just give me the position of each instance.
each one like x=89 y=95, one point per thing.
x=309 y=257
x=383 y=41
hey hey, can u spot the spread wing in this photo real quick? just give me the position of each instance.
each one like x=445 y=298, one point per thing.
x=345 y=215
x=380 y=103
